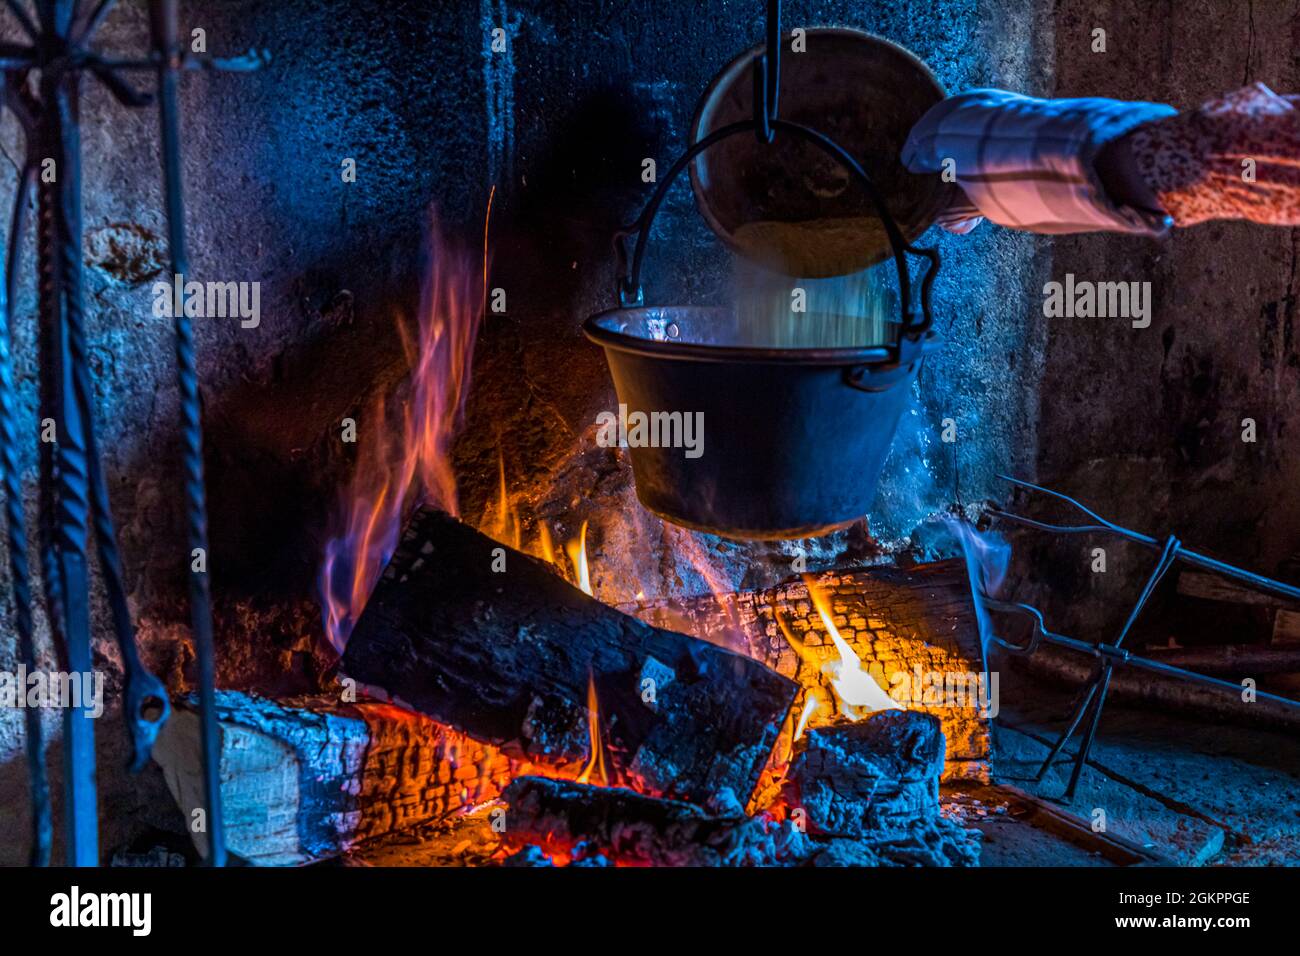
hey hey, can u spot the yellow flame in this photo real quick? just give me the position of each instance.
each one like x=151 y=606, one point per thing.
x=505 y=525
x=547 y=545
x=577 y=550
x=809 y=708
x=801 y=651
x=857 y=690
x=597 y=760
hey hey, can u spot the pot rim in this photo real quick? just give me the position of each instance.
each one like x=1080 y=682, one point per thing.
x=699 y=352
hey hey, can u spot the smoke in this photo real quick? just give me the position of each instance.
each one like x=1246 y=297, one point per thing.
x=988 y=555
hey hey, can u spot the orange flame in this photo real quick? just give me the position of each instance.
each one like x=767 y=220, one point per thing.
x=504 y=525
x=577 y=550
x=814 y=704
x=597 y=760
x=857 y=690
x=396 y=468
x=545 y=542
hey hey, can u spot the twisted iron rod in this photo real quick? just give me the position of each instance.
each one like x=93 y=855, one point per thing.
x=162 y=16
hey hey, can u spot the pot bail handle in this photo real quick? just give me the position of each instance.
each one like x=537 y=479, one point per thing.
x=629 y=292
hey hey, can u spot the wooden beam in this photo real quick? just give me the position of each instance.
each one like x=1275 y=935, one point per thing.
x=1072 y=828
x=1215 y=587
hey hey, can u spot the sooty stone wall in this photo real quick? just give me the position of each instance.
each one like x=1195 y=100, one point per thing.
x=1146 y=424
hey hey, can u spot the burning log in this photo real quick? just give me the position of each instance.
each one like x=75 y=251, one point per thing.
x=870 y=798
x=307 y=779
x=904 y=626
x=491 y=641
x=581 y=822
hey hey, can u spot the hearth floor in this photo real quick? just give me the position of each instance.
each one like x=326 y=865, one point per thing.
x=1192 y=792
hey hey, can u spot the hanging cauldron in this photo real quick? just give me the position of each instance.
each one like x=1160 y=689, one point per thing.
x=794 y=439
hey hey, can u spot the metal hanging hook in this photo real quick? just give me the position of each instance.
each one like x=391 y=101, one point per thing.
x=767 y=78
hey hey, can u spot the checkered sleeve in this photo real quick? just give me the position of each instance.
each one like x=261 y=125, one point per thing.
x=1028 y=163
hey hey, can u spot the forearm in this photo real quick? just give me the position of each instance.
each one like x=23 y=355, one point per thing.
x=1235 y=157
x=1061 y=166
x=1032 y=164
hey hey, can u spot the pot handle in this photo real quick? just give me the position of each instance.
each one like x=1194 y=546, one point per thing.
x=882 y=376
x=630 y=293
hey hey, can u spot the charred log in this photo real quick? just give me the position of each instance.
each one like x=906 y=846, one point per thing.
x=876 y=776
x=310 y=778
x=873 y=789
x=494 y=643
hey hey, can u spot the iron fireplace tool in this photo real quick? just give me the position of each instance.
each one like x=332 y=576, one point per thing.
x=1110 y=656
x=73 y=488
x=38 y=781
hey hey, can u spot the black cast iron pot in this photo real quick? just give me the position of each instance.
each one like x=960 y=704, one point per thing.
x=793 y=440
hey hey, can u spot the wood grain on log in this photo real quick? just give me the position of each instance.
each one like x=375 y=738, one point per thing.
x=493 y=642
x=895 y=620
x=307 y=779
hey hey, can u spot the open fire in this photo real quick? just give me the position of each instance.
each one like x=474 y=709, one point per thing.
x=477 y=539
x=403 y=466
